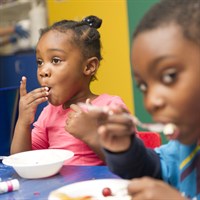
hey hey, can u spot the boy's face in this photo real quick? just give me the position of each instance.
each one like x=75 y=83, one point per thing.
x=60 y=67
x=167 y=71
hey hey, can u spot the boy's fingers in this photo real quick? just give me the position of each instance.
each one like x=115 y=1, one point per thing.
x=140 y=184
x=23 y=90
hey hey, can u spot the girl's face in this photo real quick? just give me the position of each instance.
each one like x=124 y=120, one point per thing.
x=167 y=70
x=61 y=67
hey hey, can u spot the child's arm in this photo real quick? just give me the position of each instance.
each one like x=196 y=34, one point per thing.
x=83 y=126
x=125 y=153
x=7 y=30
x=27 y=108
x=22 y=138
x=136 y=161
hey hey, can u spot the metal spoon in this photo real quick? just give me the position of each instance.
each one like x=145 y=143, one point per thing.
x=153 y=127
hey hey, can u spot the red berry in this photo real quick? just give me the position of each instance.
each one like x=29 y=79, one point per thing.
x=106 y=192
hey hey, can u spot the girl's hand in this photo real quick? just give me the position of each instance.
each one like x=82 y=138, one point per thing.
x=84 y=125
x=150 y=189
x=29 y=101
x=115 y=133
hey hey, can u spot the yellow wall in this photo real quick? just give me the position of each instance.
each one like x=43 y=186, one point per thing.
x=114 y=75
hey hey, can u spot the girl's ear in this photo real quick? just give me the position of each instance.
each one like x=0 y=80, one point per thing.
x=92 y=66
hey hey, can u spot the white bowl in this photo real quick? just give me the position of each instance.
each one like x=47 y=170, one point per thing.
x=38 y=163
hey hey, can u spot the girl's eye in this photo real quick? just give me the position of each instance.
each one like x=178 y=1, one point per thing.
x=169 y=77
x=56 y=60
x=142 y=87
x=39 y=62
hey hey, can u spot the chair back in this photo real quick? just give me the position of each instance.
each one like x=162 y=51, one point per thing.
x=150 y=139
x=9 y=99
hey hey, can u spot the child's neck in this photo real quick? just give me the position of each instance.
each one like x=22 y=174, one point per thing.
x=77 y=100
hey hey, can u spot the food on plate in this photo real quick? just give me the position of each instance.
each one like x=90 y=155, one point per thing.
x=62 y=196
x=106 y=192
x=101 y=189
x=169 y=129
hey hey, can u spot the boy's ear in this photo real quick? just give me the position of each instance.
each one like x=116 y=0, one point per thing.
x=92 y=66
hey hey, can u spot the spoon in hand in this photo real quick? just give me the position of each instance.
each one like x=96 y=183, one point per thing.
x=167 y=129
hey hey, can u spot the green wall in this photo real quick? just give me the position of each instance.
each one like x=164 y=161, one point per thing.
x=136 y=10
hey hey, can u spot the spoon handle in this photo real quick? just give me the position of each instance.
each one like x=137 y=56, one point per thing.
x=157 y=127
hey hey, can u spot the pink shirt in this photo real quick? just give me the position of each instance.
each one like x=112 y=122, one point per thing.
x=49 y=132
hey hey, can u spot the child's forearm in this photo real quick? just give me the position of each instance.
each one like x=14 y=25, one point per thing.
x=7 y=30
x=22 y=138
x=94 y=144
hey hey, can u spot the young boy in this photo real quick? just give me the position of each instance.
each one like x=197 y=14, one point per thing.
x=166 y=65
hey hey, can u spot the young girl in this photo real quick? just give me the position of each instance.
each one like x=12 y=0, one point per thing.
x=68 y=56
x=166 y=64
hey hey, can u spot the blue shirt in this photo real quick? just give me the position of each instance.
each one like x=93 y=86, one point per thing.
x=180 y=165
x=175 y=163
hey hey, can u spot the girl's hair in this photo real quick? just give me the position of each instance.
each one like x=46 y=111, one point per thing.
x=184 y=13
x=84 y=34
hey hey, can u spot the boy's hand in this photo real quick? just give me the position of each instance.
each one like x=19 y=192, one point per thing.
x=115 y=133
x=150 y=189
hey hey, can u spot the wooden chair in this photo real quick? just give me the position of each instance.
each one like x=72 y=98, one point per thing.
x=9 y=98
x=150 y=139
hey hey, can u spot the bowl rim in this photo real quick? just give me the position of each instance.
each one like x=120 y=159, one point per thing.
x=8 y=160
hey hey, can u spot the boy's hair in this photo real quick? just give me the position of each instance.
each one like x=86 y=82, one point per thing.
x=184 y=13
x=84 y=35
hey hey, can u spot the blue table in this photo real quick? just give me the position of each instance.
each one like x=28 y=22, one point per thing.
x=40 y=188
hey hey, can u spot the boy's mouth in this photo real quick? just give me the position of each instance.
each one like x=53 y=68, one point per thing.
x=171 y=131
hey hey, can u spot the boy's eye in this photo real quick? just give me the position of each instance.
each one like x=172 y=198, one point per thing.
x=142 y=87
x=56 y=60
x=169 y=77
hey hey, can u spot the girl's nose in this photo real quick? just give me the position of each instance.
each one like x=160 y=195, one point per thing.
x=44 y=73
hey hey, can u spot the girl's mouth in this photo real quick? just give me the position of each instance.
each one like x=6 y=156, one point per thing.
x=47 y=88
x=49 y=91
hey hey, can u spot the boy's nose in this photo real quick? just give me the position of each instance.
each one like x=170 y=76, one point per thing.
x=154 y=103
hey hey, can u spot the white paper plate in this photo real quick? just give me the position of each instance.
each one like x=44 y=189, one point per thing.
x=94 y=188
